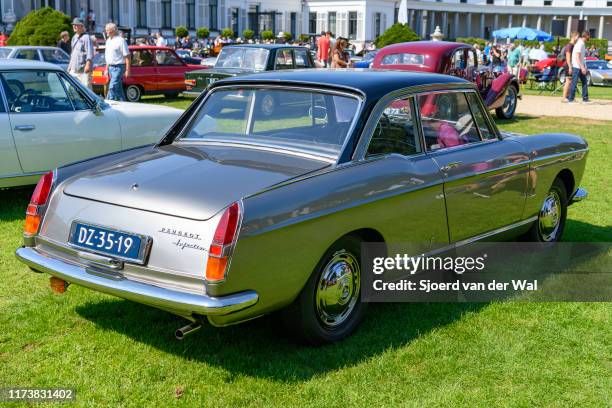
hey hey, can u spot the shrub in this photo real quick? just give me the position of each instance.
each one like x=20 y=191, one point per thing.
x=287 y=36
x=202 y=32
x=227 y=33
x=304 y=37
x=600 y=44
x=267 y=35
x=248 y=34
x=40 y=27
x=397 y=33
x=181 y=31
x=472 y=40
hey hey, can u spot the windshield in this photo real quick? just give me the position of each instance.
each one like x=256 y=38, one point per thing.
x=599 y=65
x=311 y=121
x=4 y=52
x=252 y=59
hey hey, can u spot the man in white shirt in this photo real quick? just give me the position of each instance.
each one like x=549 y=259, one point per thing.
x=117 y=57
x=160 y=41
x=579 y=69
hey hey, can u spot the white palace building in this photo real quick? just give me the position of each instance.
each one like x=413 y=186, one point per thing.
x=360 y=20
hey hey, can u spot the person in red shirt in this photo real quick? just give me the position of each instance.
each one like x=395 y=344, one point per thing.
x=323 y=44
x=3 y=39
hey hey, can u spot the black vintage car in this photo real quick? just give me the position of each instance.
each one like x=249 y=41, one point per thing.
x=247 y=59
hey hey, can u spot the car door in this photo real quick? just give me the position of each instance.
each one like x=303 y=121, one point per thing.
x=143 y=70
x=485 y=176
x=9 y=162
x=170 y=71
x=53 y=122
x=406 y=182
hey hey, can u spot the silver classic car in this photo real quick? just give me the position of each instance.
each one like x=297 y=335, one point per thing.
x=236 y=213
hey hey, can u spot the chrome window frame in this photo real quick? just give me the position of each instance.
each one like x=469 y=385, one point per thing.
x=333 y=159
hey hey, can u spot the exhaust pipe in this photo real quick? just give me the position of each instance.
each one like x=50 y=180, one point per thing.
x=184 y=331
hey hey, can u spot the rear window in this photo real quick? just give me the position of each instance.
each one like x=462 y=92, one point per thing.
x=5 y=52
x=311 y=121
x=253 y=59
x=403 y=59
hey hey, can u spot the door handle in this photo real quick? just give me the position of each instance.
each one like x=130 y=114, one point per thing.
x=449 y=166
x=25 y=128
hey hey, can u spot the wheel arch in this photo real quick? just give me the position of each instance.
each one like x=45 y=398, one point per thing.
x=567 y=177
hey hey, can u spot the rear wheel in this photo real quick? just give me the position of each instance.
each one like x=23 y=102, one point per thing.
x=133 y=93
x=506 y=111
x=329 y=308
x=551 y=217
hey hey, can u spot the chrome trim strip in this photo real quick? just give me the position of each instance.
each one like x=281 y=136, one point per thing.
x=553 y=156
x=183 y=302
x=495 y=232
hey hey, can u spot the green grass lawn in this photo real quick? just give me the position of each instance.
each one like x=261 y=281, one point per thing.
x=118 y=353
x=595 y=92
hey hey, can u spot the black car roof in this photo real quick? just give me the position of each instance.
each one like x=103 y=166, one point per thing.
x=266 y=46
x=372 y=83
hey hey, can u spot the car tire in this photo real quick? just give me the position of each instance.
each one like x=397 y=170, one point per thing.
x=506 y=111
x=550 y=224
x=133 y=93
x=329 y=308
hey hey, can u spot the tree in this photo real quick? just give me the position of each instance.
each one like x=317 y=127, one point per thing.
x=181 y=31
x=304 y=37
x=248 y=34
x=397 y=33
x=202 y=32
x=227 y=33
x=267 y=35
x=40 y=27
x=288 y=36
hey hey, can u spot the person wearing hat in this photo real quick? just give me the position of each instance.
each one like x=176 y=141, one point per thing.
x=82 y=54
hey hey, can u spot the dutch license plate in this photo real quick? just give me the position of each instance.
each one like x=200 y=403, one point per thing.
x=108 y=241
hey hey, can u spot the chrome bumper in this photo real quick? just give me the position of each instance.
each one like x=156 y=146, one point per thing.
x=191 y=94
x=579 y=195
x=183 y=302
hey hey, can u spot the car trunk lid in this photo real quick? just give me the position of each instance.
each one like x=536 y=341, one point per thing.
x=190 y=181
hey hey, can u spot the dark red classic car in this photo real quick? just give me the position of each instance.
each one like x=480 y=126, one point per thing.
x=154 y=70
x=499 y=90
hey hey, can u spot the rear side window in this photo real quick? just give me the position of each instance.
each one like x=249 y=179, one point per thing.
x=284 y=60
x=447 y=120
x=35 y=92
x=55 y=56
x=396 y=130
x=301 y=59
x=28 y=55
x=403 y=59
x=167 y=58
x=142 y=58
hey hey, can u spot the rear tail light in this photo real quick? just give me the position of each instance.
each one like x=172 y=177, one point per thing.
x=190 y=82
x=222 y=244
x=37 y=202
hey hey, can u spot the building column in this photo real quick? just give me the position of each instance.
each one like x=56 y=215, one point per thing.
x=432 y=22
x=456 y=25
x=601 y=27
x=509 y=20
x=539 y=23
x=444 y=27
x=524 y=20
x=424 y=24
x=411 y=19
x=569 y=26
x=482 y=25
x=469 y=25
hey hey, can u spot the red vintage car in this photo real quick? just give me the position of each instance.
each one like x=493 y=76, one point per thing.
x=500 y=90
x=154 y=70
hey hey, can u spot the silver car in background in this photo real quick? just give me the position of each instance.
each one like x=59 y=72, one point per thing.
x=48 y=119
x=239 y=212
x=600 y=72
x=52 y=55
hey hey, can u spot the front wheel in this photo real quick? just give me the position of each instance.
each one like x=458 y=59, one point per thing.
x=506 y=111
x=551 y=217
x=329 y=308
x=133 y=93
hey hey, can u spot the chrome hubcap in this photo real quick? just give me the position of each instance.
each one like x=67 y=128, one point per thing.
x=550 y=217
x=338 y=289
x=510 y=102
x=132 y=93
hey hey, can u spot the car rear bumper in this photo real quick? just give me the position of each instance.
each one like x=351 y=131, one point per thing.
x=179 y=302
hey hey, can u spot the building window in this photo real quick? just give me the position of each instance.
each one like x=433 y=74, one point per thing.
x=462 y=1
x=610 y=4
x=352 y=25
x=212 y=12
x=141 y=13
x=166 y=14
x=578 y=3
x=312 y=23
x=331 y=22
x=191 y=14
x=377 y=23
x=518 y=2
x=114 y=11
x=490 y=1
x=548 y=2
x=234 y=16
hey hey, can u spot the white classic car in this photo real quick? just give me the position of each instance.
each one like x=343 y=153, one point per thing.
x=48 y=119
